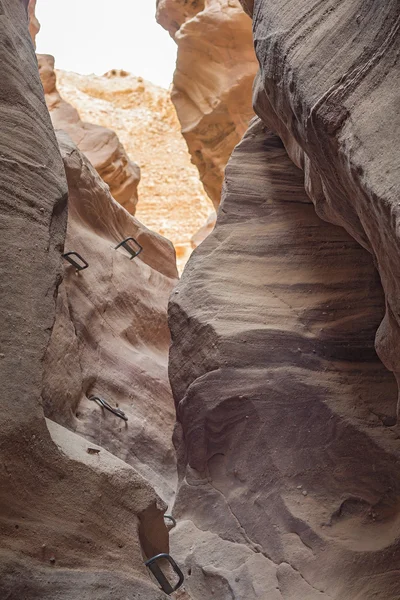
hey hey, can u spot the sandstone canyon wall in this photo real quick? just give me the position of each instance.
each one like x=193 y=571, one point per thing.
x=172 y=198
x=110 y=337
x=75 y=520
x=99 y=144
x=287 y=434
x=212 y=84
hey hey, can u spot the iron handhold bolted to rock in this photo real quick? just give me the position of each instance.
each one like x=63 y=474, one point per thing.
x=104 y=404
x=128 y=248
x=79 y=267
x=159 y=575
x=170 y=518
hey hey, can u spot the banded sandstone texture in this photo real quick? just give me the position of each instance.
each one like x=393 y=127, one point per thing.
x=111 y=337
x=72 y=524
x=328 y=85
x=286 y=435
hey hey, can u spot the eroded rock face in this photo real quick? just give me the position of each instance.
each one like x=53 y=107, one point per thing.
x=328 y=85
x=286 y=417
x=72 y=524
x=213 y=79
x=111 y=336
x=101 y=145
x=288 y=470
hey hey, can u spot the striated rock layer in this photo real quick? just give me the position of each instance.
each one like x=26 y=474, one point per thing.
x=73 y=524
x=286 y=417
x=101 y=145
x=289 y=484
x=214 y=74
x=110 y=337
x=328 y=85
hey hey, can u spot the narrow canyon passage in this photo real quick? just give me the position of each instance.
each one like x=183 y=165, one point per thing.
x=227 y=411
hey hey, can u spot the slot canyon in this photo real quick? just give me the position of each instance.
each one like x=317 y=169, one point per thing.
x=200 y=302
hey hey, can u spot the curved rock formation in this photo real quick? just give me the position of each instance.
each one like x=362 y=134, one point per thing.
x=286 y=417
x=283 y=406
x=34 y=25
x=101 y=146
x=72 y=523
x=214 y=106
x=110 y=337
x=334 y=103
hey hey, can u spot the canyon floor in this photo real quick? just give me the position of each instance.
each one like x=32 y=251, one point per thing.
x=172 y=201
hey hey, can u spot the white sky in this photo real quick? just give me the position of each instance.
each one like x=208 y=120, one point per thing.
x=94 y=36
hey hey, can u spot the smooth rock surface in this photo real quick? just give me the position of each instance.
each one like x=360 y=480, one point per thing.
x=111 y=336
x=101 y=145
x=288 y=464
x=212 y=83
x=328 y=85
x=72 y=525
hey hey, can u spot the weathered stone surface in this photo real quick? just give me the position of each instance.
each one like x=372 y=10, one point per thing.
x=111 y=336
x=72 y=524
x=172 y=14
x=212 y=83
x=289 y=484
x=101 y=145
x=172 y=199
x=328 y=85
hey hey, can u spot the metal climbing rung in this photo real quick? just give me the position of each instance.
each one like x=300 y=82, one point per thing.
x=159 y=575
x=78 y=267
x=170 y=518
x=128 y=248
x=116 y=411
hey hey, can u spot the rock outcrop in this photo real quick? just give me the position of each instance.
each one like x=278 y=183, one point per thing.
x=286 y=418
x=101 y=145
x=334 y=104
x=172 y=199
x=72 y=523
x=111 y=337
x=214 y=74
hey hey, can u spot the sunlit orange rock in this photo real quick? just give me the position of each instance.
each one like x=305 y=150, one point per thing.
x=213 y=80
